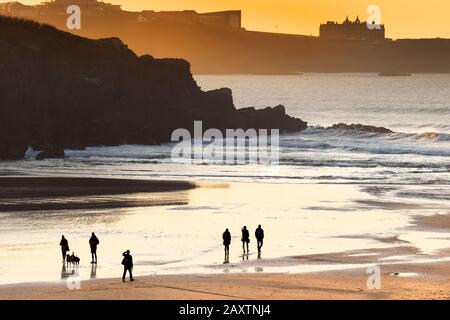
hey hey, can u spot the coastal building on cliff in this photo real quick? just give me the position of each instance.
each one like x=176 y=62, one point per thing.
x=92 y=8
x=56 y=7
x=353 y=30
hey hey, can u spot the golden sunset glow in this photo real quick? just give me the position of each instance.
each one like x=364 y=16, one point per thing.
x=403 y=19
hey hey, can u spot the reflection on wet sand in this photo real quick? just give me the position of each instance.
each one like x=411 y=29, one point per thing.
x=93 y=270
x=36 y=194
x=174 y=239
x=69 y=271
x=94 y=202
x=46 y=218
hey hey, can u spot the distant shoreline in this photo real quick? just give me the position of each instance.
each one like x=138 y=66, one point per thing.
x=301 y=73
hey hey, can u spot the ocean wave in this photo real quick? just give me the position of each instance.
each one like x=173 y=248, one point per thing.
x=434 y=110
x=393 y=150
x=355 y=163
x=426 y=144
x=424 y=195
x=356 y=134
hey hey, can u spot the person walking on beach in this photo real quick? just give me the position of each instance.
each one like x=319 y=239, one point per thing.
x=64 y=247
x=127 y=265
x=245 y=238
x=226 y=242
x=93 y=243
x=259 y=234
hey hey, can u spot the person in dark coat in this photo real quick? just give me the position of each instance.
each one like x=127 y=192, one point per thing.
x=245 y=238
x=93 y=243
x=64 y=247
x=259 y=234
x=226 y=242
x=127 y=263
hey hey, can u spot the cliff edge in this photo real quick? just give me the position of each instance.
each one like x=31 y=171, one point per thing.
x=61 y=89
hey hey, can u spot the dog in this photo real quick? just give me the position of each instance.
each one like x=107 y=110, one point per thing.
x=73 y=259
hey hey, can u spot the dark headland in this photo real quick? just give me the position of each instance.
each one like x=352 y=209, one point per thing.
x=217 y=43
x=61 y=90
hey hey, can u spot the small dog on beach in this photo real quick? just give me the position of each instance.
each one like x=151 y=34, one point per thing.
x=73 y=259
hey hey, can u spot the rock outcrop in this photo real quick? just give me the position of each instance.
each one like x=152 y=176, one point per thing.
x=12 y=148
x=51 y=152
x=73 y=92
x=269 y=118
x=359 y=127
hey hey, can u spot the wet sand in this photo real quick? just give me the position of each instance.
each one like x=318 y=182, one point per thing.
x=39 y=193
x=438 y=221
x=399 y=281
x=35 y=187
x=361 y=230
x=428 y=282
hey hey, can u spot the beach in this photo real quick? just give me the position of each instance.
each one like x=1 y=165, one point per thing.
x=342 y=285
x=320 y=245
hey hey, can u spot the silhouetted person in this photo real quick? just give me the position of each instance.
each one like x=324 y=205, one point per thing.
x=93 y=243
x=245 y=238
x=127 y=265
x=64 y=247
x=259 y=234
x=226 y=242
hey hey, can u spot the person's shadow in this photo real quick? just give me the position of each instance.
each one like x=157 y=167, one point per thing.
x=93 y=271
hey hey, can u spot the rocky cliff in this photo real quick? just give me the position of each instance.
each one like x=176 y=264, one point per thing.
x=61 y=89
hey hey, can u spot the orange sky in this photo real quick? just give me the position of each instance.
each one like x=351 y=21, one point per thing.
x=403 y=18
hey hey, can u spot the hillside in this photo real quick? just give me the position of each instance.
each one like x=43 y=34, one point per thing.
x=229 y=51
